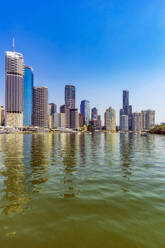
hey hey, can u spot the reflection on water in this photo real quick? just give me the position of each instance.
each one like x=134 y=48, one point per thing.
x=104 y=189
x=13 y=190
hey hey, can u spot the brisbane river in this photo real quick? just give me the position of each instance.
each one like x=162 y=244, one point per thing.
x=82 y=190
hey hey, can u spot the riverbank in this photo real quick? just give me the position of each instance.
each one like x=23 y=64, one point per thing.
x=159 y=129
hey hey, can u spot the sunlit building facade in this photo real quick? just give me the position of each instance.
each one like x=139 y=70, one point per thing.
x=85 y=111
x=28 y=96
x=14 y=73
x=40 y=106
x=110 y=119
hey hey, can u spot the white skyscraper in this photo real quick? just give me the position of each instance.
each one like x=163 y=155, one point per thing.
x=14 y=72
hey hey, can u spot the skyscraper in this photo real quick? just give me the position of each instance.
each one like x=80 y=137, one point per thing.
x=14 y=73
x=66 y=110
x=70 y=96
x=81 y=120
x=127 y=109
x=40 y=106
x=124 y=122
x=136 y=121
x=148 y=119
x=110 y=119
x=74 y=119
x=52 y=108
x=125 y=98
x=28 y=96
x=94 y=113
x=85 y=111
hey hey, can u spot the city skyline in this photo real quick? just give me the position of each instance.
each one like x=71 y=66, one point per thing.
x=101 y=59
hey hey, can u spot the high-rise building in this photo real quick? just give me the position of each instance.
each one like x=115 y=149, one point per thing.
x=66 y=110
x=99 y=121
x=148 y=119
x=28 y=96
x=74 y=119
x=52 y=108
x=125 y=98
x=56 y=120
x=14 y=73
x=40 y=106
x=85 y=111
x=127 y=109
x=2 y=116
x=94 y=113
x=70 y=96
x=124 y=122
x=62 y=120
x=136 y=121
x=110 y=119
x=81 y=120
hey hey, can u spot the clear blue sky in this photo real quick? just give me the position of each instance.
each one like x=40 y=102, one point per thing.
x=100 y=46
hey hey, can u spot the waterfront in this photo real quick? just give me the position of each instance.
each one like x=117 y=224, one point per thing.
x=86 y=190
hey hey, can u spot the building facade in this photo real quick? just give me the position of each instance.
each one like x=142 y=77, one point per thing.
x=94 y=113
x=124 y=122
x=127 y=109
x=28 y=96
x=40 y=106
x=110 y=119
x=70 y=96
x=81 y=120
x=62 y=120
x=14 y=73
x=52 y=108
x=85 y=111
x=148 y=119
x=136 y=122
x=74 y=119
x=66 y=110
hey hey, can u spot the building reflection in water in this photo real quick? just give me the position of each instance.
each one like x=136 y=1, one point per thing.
x=126 y=155
x=82 y=148
x=69 y=150
x=14 y=191
x=40 y=160
x=148 y=146
x=110 y=147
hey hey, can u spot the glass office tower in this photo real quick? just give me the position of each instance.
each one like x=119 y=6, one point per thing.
x=70 y=96
x=85 y=111
x=28 y=96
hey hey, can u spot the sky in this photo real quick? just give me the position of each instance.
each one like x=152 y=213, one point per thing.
x=100 y=46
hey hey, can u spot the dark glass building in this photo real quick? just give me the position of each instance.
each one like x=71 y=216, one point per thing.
x=70 y=96
x=85 y=111
x=94 y=113
x=125 y=98
x=28 y=96
x=127 y=109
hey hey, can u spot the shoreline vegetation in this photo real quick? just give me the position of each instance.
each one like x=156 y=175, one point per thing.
x=158 y=129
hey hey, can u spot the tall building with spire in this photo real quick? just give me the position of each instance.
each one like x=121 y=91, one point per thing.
x=14 y=73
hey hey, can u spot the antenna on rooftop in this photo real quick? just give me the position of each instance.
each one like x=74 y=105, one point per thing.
x=13 y=47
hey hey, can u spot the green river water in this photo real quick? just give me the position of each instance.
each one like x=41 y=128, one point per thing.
x=79 y=191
